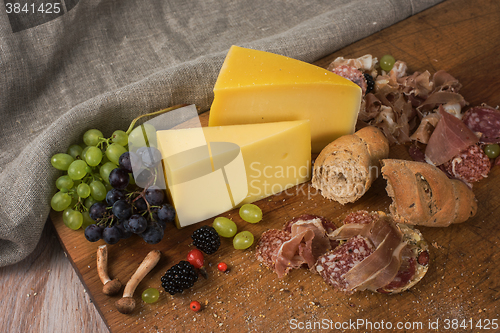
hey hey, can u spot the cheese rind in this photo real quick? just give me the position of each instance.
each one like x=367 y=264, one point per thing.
x=259 y=87
x=268 y=159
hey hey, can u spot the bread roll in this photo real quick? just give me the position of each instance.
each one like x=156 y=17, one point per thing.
x=423 y=195
x=346 y=168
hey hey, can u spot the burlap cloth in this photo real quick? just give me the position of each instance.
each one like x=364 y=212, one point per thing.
x=99 y=64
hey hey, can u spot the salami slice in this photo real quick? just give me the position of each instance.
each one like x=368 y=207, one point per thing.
x=361 y=217
x=471 y=165
x=333 y=265
x=269 y=244
x=352 y=74
x=485 y=120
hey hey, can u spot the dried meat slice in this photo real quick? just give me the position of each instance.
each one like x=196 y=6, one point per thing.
x=361 y=217
x=389 y=266
x=414 y=262
x=449 y=138
x=328 y=225
x=352 y=74
x=470 y=165
x=485 y=120
x=300 y=243
x=268 y=246
x=334 y=265
x=291 y=253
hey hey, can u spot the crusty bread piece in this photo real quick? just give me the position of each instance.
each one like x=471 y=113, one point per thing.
x=423 y=195
x=346 y=168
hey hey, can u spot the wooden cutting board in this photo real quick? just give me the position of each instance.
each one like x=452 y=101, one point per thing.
x=462 y=287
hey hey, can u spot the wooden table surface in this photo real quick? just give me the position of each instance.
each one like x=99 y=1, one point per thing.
x=44 y=294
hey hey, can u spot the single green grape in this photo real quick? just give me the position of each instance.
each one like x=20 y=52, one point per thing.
x=75 y=151
x=138 y=136
x=60 y=201
x=84 y=152
x=150 y=295
x=61 y=161
x=492 y=150
x=251 y=213
x=87 y=220
x=89 y=202
x=92 y=136
x=64 y=182
x=243 y=240
x=93 y=156
x=106 y=169
x=72 y=219
x=77 y=169
x=225 y=227
x=387 y=62
x=114 y=151
x=120 y=137
x=97 y=190
x=83 y=190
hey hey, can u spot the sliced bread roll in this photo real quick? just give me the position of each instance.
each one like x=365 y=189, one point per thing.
x=346 y=168
x=423 y=195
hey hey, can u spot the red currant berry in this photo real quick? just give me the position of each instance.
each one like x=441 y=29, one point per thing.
x=222 y=267
x=195 y=258
x=195 y=306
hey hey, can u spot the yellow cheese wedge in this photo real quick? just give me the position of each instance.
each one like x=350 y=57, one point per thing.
x=232 y=165
x=259 y=87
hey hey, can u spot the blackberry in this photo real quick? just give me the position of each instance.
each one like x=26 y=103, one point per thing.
x=370 y=83
x=179 y=277
x=206 y=239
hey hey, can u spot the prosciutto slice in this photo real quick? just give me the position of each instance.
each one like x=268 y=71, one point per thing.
x=373 y=258
x=316 y=245
x=378 y=261
x=288 y=256
x=425 y=129
x=384 y=276
x=449 y=138
x=300 y=243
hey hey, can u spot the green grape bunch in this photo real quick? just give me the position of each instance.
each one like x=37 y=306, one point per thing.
x=87 y=168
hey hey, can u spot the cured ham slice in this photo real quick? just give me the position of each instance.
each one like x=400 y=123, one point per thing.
x=449 y=138
x=425 y=129
x=378 y=256
x=289 y=254
x=300 y=243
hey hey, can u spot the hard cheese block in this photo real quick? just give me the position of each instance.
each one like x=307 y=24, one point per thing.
x=259 y=87
x=213 y=169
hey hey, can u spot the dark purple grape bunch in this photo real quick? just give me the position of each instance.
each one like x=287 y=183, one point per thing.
x=131 y=210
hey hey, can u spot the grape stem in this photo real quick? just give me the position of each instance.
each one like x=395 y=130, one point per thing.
x=142 y=194
x=132 y=124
